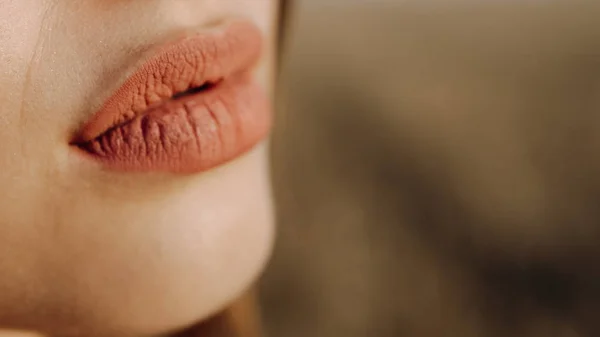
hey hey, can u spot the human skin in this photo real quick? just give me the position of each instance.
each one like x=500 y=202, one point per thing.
x=91 y=251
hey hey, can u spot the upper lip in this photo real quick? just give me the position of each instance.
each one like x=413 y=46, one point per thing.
x=206 y=59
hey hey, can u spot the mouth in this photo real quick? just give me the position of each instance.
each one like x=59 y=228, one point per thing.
x=193 y=106
x=195 y=90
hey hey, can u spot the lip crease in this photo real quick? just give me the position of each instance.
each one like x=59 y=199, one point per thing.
x=191 y=107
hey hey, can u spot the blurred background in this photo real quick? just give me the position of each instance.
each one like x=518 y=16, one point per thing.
x=435 y=169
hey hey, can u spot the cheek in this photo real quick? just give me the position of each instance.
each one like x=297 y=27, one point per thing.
x=20 y=26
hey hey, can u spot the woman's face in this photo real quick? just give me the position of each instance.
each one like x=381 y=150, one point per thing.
x=135 y=184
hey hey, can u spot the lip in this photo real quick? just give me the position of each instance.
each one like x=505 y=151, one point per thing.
x=190 y=107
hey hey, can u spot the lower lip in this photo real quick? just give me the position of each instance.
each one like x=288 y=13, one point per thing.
x=189 y=134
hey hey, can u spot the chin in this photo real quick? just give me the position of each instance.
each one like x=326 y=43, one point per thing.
x=155 y=255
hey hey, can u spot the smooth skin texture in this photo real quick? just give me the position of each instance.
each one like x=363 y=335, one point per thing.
x=89 y=252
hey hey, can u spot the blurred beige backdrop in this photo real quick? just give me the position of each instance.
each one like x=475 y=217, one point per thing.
x=436 y=171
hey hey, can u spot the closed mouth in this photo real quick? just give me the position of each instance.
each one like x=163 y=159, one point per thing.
x=193 y=106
